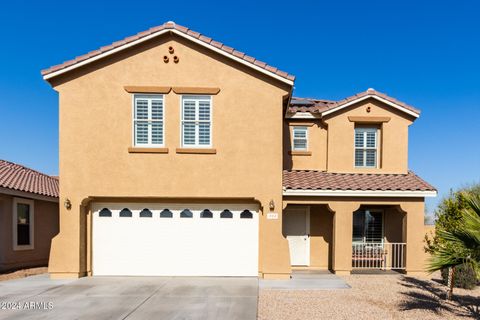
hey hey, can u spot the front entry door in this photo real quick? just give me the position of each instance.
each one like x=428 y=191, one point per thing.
x=297 y=228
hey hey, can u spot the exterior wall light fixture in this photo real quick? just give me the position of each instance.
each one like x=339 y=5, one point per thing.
x=271 y=205
x=67 y=203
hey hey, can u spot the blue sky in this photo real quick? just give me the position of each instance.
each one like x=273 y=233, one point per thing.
x=426 y=53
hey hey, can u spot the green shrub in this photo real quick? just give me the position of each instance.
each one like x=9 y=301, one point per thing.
x=464 y=277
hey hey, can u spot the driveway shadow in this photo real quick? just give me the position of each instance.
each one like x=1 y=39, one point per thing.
x=428 y=295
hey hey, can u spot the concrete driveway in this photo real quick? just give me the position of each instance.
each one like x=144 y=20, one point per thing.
x=129 y=298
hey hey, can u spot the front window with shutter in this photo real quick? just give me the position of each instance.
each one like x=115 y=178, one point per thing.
x=300 y=138
x=366 y=147
x=196 y=121
x=367 y=226
x=148 y=120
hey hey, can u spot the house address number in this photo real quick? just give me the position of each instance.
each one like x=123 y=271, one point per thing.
x=272 y=216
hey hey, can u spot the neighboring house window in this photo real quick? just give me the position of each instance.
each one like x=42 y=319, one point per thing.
x=368 y=226
x=366 y=147
x=148 y=120
x=196 y=121
x=23 y=224
x=300 y=138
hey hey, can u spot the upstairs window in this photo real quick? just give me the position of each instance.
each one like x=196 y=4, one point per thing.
x=300 y=138
x=148 y=120
x=366 y=147
x=196 y=121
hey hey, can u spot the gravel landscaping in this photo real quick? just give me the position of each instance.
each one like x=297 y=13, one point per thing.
x=372 y=297
x=22 y=273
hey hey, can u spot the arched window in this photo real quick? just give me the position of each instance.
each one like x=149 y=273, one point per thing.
x=227 y=214
x=206 y=214
x=186 y=213
x=165 y=213
x=246 y=214
x=105 y=213
x=145 y=213
x=125 y=213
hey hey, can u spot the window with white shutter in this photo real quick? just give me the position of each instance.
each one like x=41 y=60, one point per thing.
x=300 y=138
x=148 y=120
x=366 y=150
x=367 y=226
x=196 y=121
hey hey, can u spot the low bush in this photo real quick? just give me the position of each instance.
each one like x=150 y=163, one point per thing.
x=464 y=277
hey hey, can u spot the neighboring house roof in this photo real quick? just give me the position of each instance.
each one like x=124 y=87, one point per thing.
x=325 y=107
x=17 y=177
x=162 y=29
x=327 y=181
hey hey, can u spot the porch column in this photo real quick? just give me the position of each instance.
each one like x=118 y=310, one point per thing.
x=342 y=236
x=415 y=232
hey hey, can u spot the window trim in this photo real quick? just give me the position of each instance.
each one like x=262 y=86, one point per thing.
x=306 y=137
x=31 y=203
x=148 y=96
x=196 y=145
x=365 y=148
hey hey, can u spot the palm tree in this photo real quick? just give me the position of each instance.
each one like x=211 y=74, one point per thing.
x=460 y=246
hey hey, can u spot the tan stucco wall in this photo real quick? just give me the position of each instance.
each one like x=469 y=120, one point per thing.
x=393 y=144
x=96 y=132
x=409 y=210
x=317 y=146
x=331 y=141
x=321 y=227
x=45 y=228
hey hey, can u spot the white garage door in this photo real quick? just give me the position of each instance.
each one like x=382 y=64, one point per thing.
x=174 y=240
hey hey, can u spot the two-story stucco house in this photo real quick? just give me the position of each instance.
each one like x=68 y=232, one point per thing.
x=181 y=156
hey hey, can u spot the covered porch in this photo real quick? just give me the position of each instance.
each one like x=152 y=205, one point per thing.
x=377 y=239
x=349 y=222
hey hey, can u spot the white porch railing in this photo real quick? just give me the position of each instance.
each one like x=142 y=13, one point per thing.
x=378 y=255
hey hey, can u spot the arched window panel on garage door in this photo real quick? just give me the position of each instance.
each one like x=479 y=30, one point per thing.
x=206 y=214
x=246 y=214
x=125 y=213
x=105 y=213
x=186 y=213
x=145 y=213
x=226 y=214
x=166 y=213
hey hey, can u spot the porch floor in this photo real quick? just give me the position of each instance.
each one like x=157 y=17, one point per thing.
x=306 y=280
x=377 y=271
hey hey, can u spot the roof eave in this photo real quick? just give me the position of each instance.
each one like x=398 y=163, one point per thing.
x=49 y=75
x=412 y=113
x=361 y=193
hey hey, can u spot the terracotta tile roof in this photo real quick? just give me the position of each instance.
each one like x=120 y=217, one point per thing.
x=319 y=105
x=309 y=105
x=20 y=178
x=170 y=25
x=321 y=180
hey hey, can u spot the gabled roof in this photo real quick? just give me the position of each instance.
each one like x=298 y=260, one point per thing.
x=325 y=107
x=17 y=177
x=328 y=183
x=162 y=29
